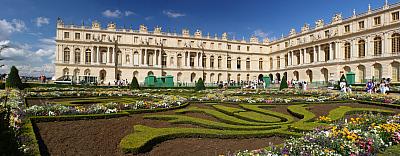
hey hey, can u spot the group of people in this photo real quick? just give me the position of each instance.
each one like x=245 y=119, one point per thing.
x=373 y=87
x=42 y=79
x=298 y=84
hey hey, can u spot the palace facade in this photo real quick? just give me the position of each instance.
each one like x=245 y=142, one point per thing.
x=367 y=44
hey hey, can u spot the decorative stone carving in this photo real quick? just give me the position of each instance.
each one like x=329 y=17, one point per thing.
x=198 y=33
x=319 y=23
x=142 y=28
x=157 y=30
x=266 y=40
x=60 y=22
x=253 y=39
x=292 y=32
x=337 y=18
x=224 y=36
x=111 y=25
x=305 y=28
x=95 y=25
x=185 y=32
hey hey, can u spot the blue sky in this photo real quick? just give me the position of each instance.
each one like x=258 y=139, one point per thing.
x=28 y=26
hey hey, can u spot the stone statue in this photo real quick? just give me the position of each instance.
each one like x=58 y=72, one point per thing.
x=337 y=18
x=319 y=23
x=305 y=28
x=292 y=32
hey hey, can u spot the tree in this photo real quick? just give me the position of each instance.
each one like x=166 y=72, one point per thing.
x=200 y=85
x=343 y=78
x=13 y=80
x=283 y=83
x=134 y=83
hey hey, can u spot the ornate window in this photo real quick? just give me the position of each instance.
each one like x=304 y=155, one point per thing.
x=238 y=63
x=88 y=56
x=164 y=59
x=271 y=63
x=66 y=55
x=377 y=46
x=77 y=56
x=212 y=62
x=347 y=50
x=179 y=61
x=248 y=63
x=228 y=63
x=260 y=64
x=396 y=43
x=361 y=48
x=278 y=62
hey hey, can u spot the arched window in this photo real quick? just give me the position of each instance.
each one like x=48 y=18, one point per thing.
x=219 y=61
x=178 y=77
x=204 y=61
x=136 y=58
x=228 y=63
x=65 y=71
x=377 y=46
x=238 y=63
x=77 y=56
x=278 y=62
x=260 y=64
x=271 y=64
x=395 y=71
x=361 y=48
x=119 y=56
x=88 y=56
x=347 y=51
x=87 y=72
x=128 y=59
x=66 y=55
x=179 y=60
x=248 y=63
x=211 y=61
x=396 y=43
x=164 y=59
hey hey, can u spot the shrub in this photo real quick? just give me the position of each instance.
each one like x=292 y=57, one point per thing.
x=134 y=83
x=283 y=83
x=13 y=80
x=200 y=85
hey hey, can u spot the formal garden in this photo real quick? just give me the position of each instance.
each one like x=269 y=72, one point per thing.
x=276 y=121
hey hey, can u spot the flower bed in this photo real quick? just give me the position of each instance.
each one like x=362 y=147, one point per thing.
x=368 y=134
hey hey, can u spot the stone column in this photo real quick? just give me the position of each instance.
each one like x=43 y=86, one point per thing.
x=72 y=55
x=338 y=51
x=291 y=58
x=98 y=55
x=108 y=55
x=386 y=45
x=330 y=52
x=301 y=56
x=113 y=55
x=145 y=58
x=83 y=54
x=315 y=54
x=319 y=53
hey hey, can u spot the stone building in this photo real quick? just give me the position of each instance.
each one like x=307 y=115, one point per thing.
x=367 y=44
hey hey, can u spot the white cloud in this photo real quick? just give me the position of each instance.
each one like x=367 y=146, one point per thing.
x=40 y=21
x=31 y=61
x=9 y=27
x=112 y=14
x=173 y=14
x=148 y=18
x=128 y=13
x=260 y=33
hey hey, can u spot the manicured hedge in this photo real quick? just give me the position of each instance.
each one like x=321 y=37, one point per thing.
x=257 y=117
x=259 y=109
x=222 y=117
x=340 y=112
x=29 y=132
x=305 y=116
x=181 y=119
x=144 y=138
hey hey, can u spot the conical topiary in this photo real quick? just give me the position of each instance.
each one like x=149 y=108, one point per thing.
x=13 y=80
x=343 y=78
x=134 y=83
x=200 y=85
x=283 y=83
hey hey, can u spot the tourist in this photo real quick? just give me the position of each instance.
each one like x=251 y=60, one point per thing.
x=342 y=86
x=369 y=86
x=382 y=87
